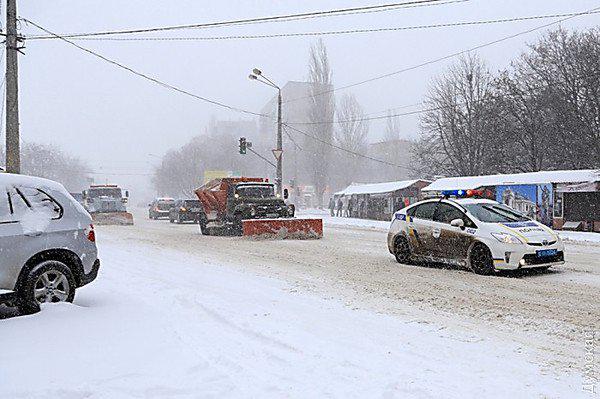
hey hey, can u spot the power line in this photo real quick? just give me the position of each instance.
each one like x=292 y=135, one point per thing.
x=338 y=32
x=118 y=174
x=446 y=57
x=287 y=17
x=355 y=153
x=292 y=139
x=143 y=75
x=406 y=113
x=424 y=110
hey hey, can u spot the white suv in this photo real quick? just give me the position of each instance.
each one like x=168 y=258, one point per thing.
x=47 y=243
x=480 y=234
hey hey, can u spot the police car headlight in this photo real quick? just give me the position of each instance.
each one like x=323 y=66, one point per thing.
x=507 y=238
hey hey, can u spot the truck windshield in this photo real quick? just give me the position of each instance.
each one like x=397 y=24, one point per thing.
x=495 y=213
x=104 y=192
x=256 y=191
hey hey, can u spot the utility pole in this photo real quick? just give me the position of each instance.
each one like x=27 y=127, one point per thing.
x=279 y=149
x=13 y=151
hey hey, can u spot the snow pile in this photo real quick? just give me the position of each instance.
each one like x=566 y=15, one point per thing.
x=162 y=323
x=580 y=236
x=331 y=221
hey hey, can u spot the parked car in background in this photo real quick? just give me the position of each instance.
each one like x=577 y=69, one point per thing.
x=47 y=243
x=160 y=207
x=185 y=210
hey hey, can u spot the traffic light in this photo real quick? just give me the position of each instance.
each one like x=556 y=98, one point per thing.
x=243 y=145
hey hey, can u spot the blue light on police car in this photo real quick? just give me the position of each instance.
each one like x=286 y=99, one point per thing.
x=453 y=193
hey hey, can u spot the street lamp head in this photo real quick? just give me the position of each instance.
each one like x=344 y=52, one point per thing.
x=257 y=71
x=252 y=77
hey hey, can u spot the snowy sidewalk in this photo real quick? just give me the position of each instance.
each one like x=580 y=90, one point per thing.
x=161 y=323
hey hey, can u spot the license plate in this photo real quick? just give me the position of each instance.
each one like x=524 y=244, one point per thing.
x=195 y=209
x=272 y=215
x=544 y=253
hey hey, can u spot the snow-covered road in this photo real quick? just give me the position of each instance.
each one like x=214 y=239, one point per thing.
x=176 y=314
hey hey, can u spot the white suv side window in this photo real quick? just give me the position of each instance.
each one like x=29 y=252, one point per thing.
x=5 y=215
x=18 y=207
x=27 y=199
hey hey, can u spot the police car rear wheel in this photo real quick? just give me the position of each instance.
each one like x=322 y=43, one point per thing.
x=402 y=250
x=481 y=260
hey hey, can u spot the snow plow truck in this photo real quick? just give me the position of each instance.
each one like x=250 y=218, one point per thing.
x=107 y=205
x=248 y=206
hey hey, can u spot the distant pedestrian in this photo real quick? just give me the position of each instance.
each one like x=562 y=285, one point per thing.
x=340 y=206
x=332 y=206
x=346 y=203
x=350 y=207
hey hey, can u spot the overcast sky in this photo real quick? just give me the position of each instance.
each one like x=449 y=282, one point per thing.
x=114 y=120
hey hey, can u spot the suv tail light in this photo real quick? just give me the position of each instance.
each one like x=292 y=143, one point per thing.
x=90 y=233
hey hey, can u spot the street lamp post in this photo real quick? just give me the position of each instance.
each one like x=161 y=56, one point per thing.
x=258 y=76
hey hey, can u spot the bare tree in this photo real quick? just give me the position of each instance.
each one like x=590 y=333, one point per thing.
x=321 y=108
x=569 y=66
x=182 y=170
x=50 y=162
x=351 y=135
x=392 y=127
x=455 y=132
x=524 y=132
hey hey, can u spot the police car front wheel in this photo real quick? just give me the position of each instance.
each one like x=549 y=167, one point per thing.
x=481 y=260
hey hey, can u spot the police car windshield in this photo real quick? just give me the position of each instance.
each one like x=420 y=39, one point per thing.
x=495 y=213
x=256 y=191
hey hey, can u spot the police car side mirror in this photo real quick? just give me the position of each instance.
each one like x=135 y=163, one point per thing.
x=286 y=193
x=458 y=223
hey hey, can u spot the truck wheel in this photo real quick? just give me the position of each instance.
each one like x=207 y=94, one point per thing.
x=480 y=260
x=402 y=250
x=237 y=228
x=171 y=220
x=203 y=226
x=48 y=282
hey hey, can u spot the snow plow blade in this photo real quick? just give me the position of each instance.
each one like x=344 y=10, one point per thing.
x=283 y=228
x=113 y=219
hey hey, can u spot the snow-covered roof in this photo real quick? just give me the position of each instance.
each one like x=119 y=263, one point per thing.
x=10 y=179
x=543 y=177
x=376 y=188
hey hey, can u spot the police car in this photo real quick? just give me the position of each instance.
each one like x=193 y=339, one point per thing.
x=477 y=233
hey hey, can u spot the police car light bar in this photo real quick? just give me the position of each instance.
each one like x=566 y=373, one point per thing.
x=462 y=193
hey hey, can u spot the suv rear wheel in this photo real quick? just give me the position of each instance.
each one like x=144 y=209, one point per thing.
x=49 y=281
x=481 y=260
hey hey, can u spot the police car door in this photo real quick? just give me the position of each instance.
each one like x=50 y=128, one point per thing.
x=452 y=243
x=420 y=228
